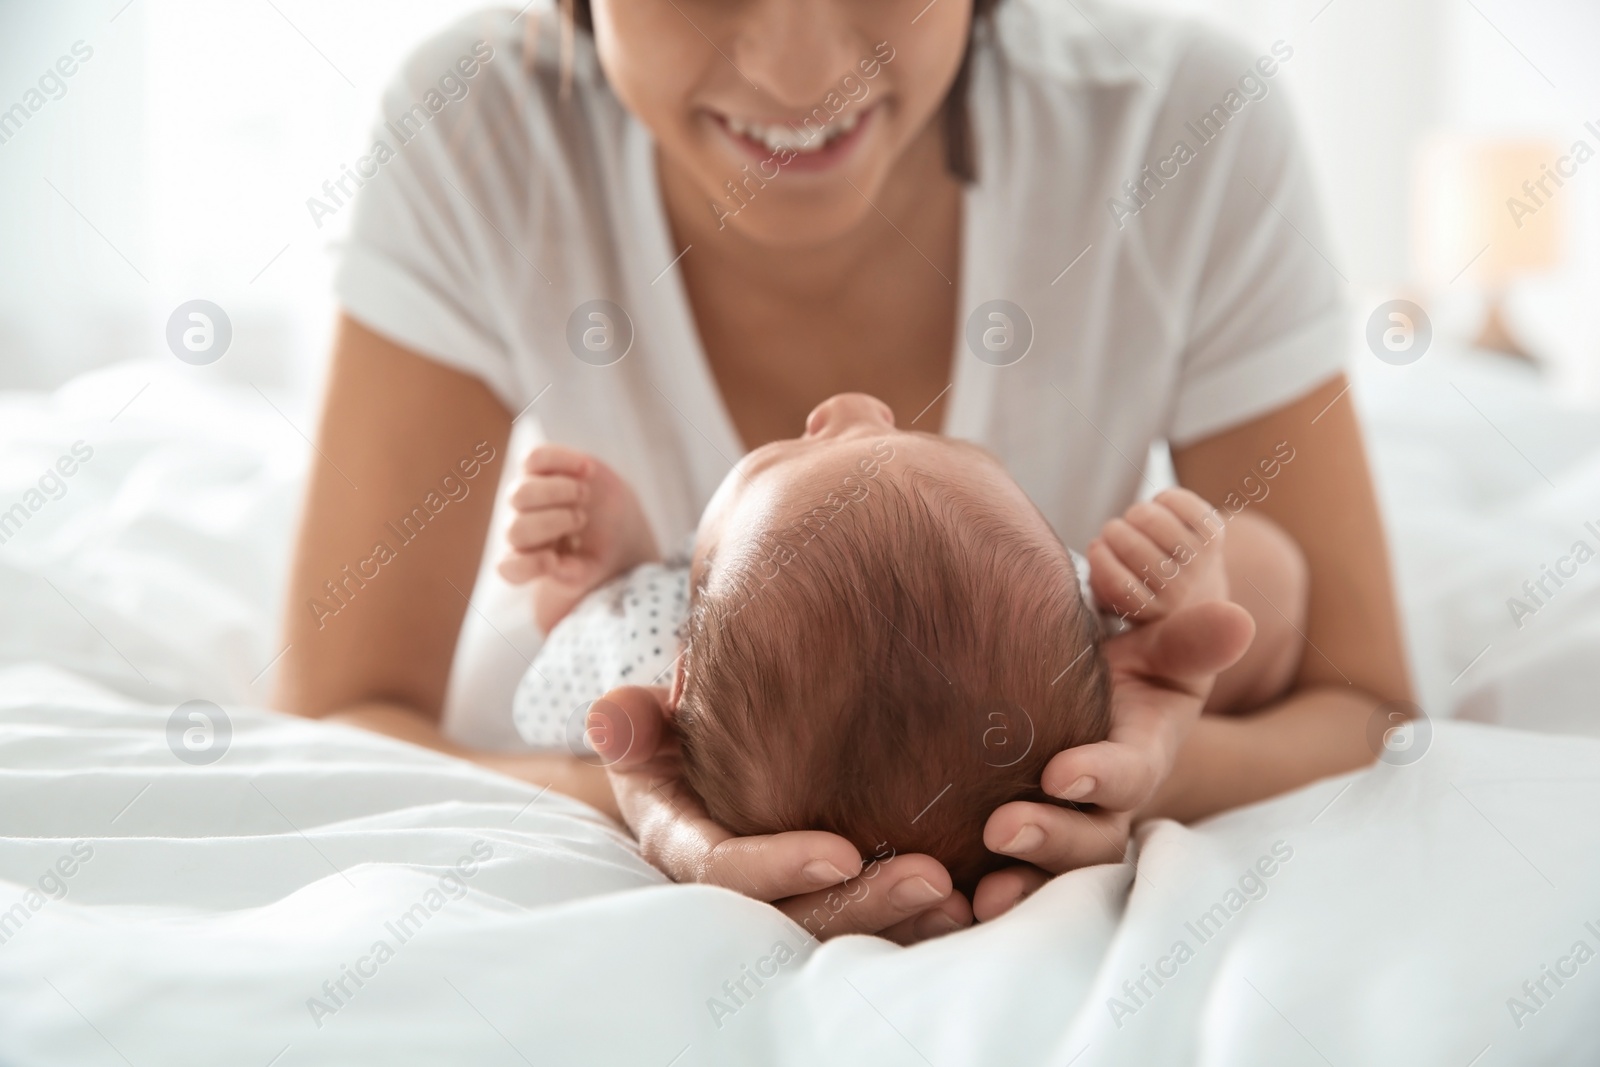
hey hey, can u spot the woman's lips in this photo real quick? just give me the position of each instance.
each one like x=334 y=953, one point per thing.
x=831 y=154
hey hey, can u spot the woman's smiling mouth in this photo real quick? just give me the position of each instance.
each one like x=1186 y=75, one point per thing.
x=810 y=147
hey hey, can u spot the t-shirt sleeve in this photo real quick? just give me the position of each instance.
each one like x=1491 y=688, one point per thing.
x=1267 y=323
x=417 y=265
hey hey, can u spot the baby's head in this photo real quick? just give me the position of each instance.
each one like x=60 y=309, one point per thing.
x=886 y=641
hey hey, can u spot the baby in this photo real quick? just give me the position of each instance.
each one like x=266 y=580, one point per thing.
x=876 y=634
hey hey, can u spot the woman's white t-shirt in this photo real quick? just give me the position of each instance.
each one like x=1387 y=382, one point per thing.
x=1115 y=289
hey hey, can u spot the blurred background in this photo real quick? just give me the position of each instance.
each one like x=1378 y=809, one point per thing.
x=175 y=164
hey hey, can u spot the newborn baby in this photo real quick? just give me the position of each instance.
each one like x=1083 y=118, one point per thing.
x=876 y=634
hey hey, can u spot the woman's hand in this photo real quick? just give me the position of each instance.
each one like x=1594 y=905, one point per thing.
x=815 y=878
x=1160 y=677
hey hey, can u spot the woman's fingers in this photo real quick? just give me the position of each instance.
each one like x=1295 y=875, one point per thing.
x=1054 y=838
x=1003 y=890
x=1160 y=675
x=946 y=917
x=882 y=897
x=1187 y=649
x=627 y=725
x=816 y=878
x=773 y=867
x=1117 y=775
x=627 y=728
x=533 y=530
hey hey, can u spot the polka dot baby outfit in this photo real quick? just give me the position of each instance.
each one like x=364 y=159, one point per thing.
x=627 y=632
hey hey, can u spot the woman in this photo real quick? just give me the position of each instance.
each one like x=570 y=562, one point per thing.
x=673 y=228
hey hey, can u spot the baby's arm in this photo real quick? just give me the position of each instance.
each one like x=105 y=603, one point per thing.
x=1161 y=555
x=578 y=525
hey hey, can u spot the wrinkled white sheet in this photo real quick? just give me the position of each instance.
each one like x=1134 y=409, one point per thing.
x=1402 y=908
x=219 y=899
x=1486 y=479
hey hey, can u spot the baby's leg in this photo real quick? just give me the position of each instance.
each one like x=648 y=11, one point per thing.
x=1267 y=577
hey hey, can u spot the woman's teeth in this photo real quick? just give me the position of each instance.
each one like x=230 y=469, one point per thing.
x=798 y=139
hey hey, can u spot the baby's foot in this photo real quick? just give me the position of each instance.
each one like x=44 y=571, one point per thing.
x=1160 y=556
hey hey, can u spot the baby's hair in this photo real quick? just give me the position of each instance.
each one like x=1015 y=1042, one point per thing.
x=910 y=668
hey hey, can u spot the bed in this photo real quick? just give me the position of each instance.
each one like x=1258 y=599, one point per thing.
x=322 y=895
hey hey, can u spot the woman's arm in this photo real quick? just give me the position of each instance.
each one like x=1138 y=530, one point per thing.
x=1353 y=659
x=377 y=653
x=372 y=633
x=1163 y=758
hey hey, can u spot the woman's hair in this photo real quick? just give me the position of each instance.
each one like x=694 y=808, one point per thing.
x=960 y=154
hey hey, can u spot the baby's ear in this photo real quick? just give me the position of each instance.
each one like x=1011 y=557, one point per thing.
x=680 y=677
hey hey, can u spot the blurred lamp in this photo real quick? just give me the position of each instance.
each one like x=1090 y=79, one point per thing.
x=1488 y=212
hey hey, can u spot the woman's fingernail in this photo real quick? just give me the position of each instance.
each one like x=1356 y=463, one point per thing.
x=935 y=924
x=821 y=872
x=1079 y=789
x=1027 y=839
x=914 y=893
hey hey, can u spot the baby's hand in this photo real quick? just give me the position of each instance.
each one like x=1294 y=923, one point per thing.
x=578 y=525
x=1160 y=556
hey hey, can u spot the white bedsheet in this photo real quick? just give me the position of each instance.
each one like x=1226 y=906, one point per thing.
x=219 y=899
x=1403 y=908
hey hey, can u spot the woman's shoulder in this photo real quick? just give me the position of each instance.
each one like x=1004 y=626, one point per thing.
x=1104 y=104
x=488 y=89
x=482 y=183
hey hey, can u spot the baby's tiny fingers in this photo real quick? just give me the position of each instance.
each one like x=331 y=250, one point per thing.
x=544 y=491
x=1132 y=546
x=533 y=530
x=558 y=459
x=1113 y=584
x=519 y=567
x=1164 y=528
x=1206 y=521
